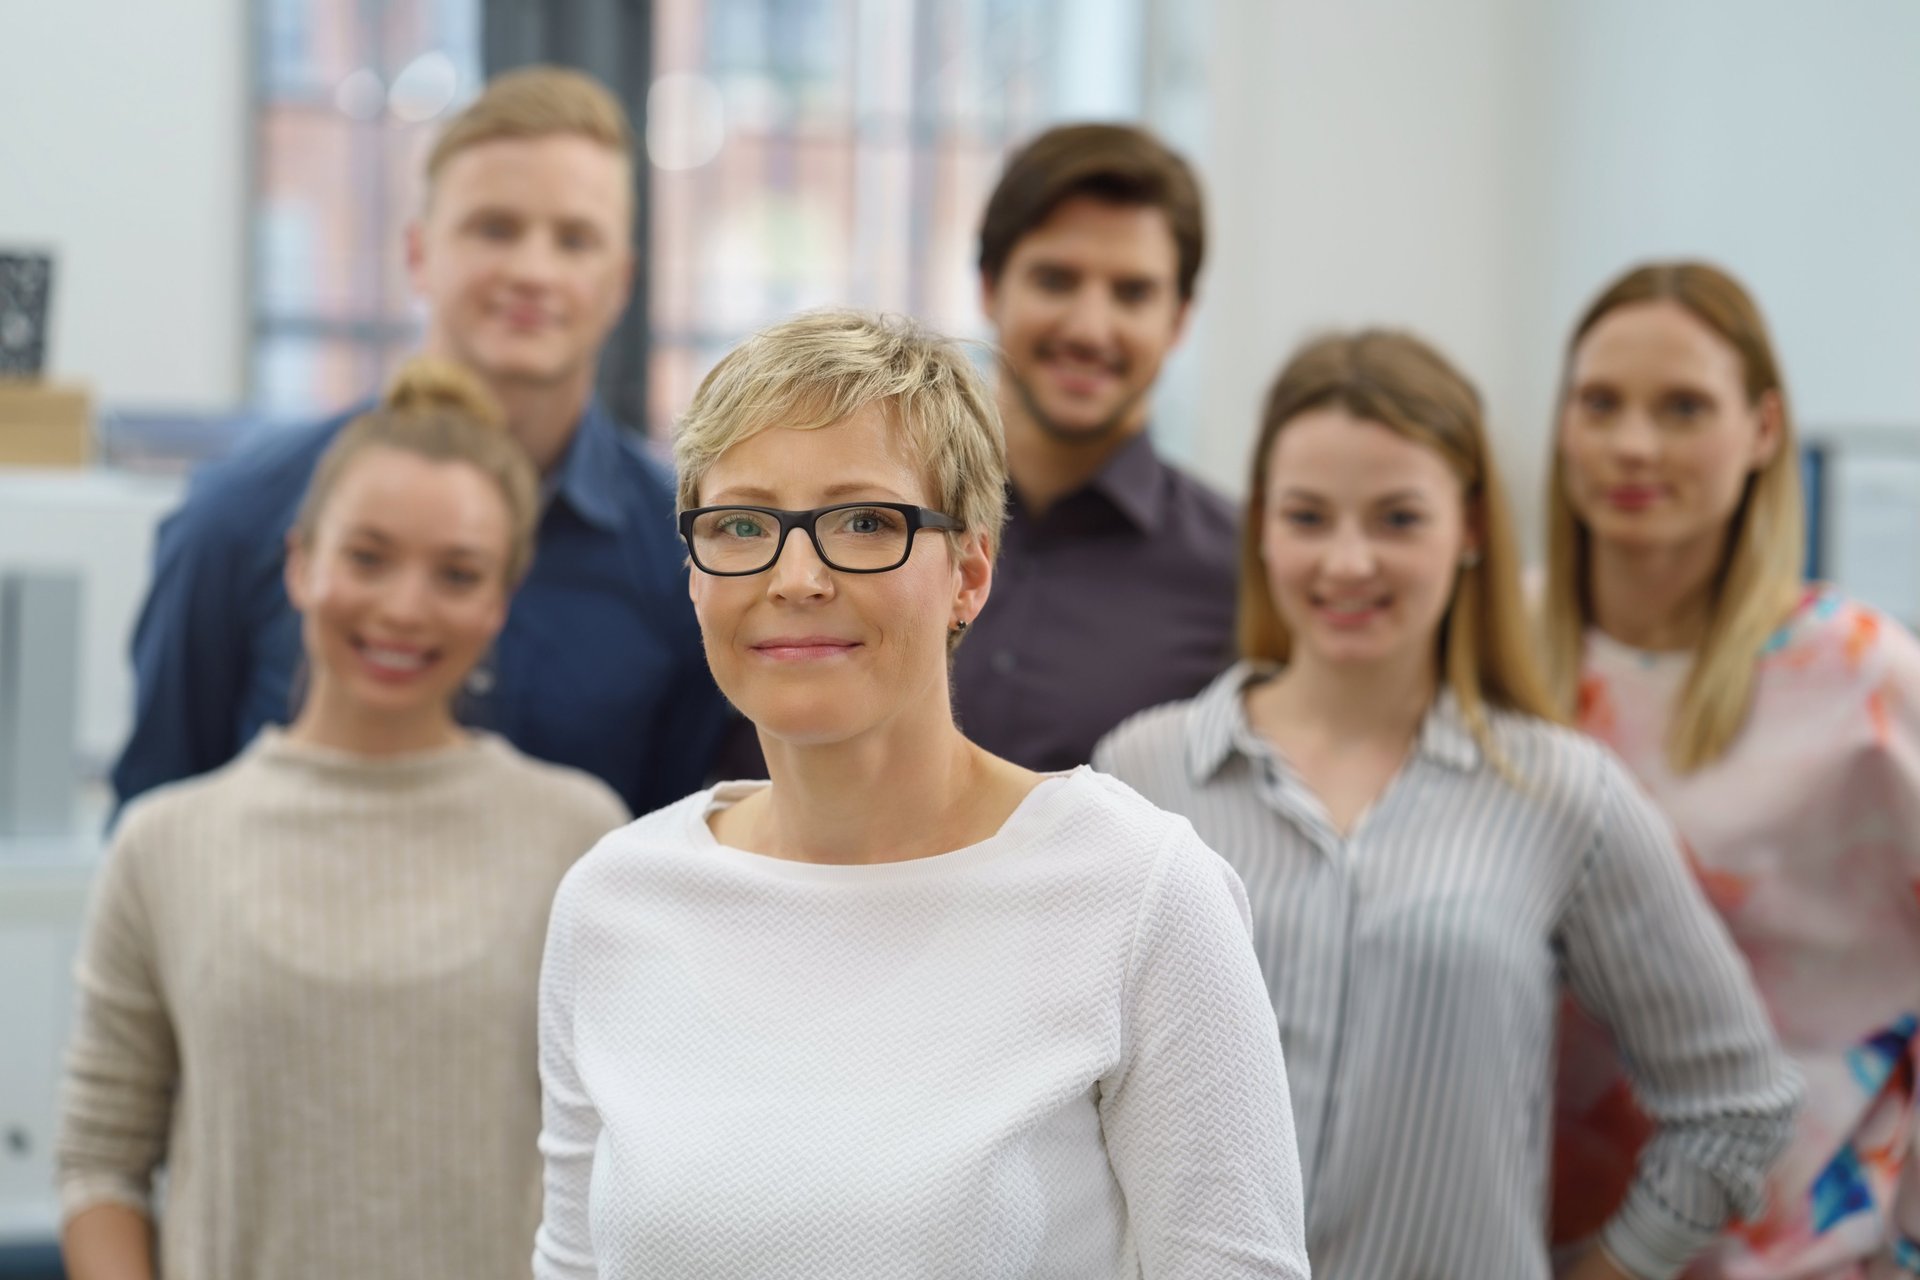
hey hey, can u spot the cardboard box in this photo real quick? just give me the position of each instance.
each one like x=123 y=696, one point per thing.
x=45 y=424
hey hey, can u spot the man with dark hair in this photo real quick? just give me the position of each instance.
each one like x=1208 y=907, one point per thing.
x=1115 y=584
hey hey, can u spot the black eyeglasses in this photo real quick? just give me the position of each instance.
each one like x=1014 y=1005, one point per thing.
x=852 y=537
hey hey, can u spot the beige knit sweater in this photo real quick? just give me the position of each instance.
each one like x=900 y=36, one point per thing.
x=307 y=990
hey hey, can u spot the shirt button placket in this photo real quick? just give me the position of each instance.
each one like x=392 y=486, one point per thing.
x=1338 y=938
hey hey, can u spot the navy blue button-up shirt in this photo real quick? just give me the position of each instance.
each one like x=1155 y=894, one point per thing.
x=599 y=665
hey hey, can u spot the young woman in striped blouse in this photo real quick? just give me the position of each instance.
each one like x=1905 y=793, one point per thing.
x=1428 y=856
x=1777 y=724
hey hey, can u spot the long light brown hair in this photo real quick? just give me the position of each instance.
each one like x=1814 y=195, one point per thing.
x=1761 y=574
x=1484 y=650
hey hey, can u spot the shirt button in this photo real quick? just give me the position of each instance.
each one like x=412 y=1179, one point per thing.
x=1003 y=662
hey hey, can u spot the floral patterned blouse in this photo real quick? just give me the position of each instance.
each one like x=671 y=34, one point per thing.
x=1806 y=838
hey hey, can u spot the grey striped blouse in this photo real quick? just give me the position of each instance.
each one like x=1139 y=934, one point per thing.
x=1415 y=968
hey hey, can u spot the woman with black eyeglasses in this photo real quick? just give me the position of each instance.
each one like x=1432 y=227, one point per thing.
x=906 y=1009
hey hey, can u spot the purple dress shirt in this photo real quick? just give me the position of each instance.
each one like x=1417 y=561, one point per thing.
x=1120 y=597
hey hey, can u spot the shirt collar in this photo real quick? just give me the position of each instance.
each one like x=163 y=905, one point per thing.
x=589 y=475
x=1445 y=736
x=1218 y=728
x=1131 y=482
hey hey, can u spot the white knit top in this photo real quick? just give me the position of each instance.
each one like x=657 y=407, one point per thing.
x=1049 y=1054
x=307 y=990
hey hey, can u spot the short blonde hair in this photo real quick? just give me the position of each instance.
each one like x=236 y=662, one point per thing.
x=1485 y=651
x=1761 y=575
x=435 y=409
x=534 y=102
x=823 y=366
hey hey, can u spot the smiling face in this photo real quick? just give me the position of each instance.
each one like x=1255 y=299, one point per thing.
x=1658 y=436
x=814 y=656
x=1087 y=309
x=523 y=256
x=1364 y=530
x=401 y=588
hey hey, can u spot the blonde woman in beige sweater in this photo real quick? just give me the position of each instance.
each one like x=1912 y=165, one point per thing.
x=307 y=987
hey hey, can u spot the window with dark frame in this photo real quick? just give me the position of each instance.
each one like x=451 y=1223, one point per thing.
x=802 y=153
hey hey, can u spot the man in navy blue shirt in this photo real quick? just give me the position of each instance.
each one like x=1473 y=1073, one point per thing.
x=523 y=256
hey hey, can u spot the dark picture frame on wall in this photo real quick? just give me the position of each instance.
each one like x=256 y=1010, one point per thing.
x=26 y=301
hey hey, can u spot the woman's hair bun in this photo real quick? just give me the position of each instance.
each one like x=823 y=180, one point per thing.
x=427 y=384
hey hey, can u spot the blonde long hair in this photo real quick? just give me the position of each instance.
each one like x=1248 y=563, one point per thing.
x=1485 y=651
x=1761 y=576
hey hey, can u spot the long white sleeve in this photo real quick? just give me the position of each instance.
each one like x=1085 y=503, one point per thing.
x=1199 y=1126
x=569 y=1126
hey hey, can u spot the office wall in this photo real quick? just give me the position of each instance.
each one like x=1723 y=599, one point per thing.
x=1476 y=170
x=1780 y=139
x=1369 y=163
x=125 y=151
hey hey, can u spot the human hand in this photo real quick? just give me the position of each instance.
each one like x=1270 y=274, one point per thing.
x=1597 y=1265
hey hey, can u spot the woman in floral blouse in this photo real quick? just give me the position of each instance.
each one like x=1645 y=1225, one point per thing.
x=1779 y=727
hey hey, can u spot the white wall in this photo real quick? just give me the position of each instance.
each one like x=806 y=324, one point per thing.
x=1370 y=163
x=1477 y=169
x=125 y=151
x=1780 y=139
